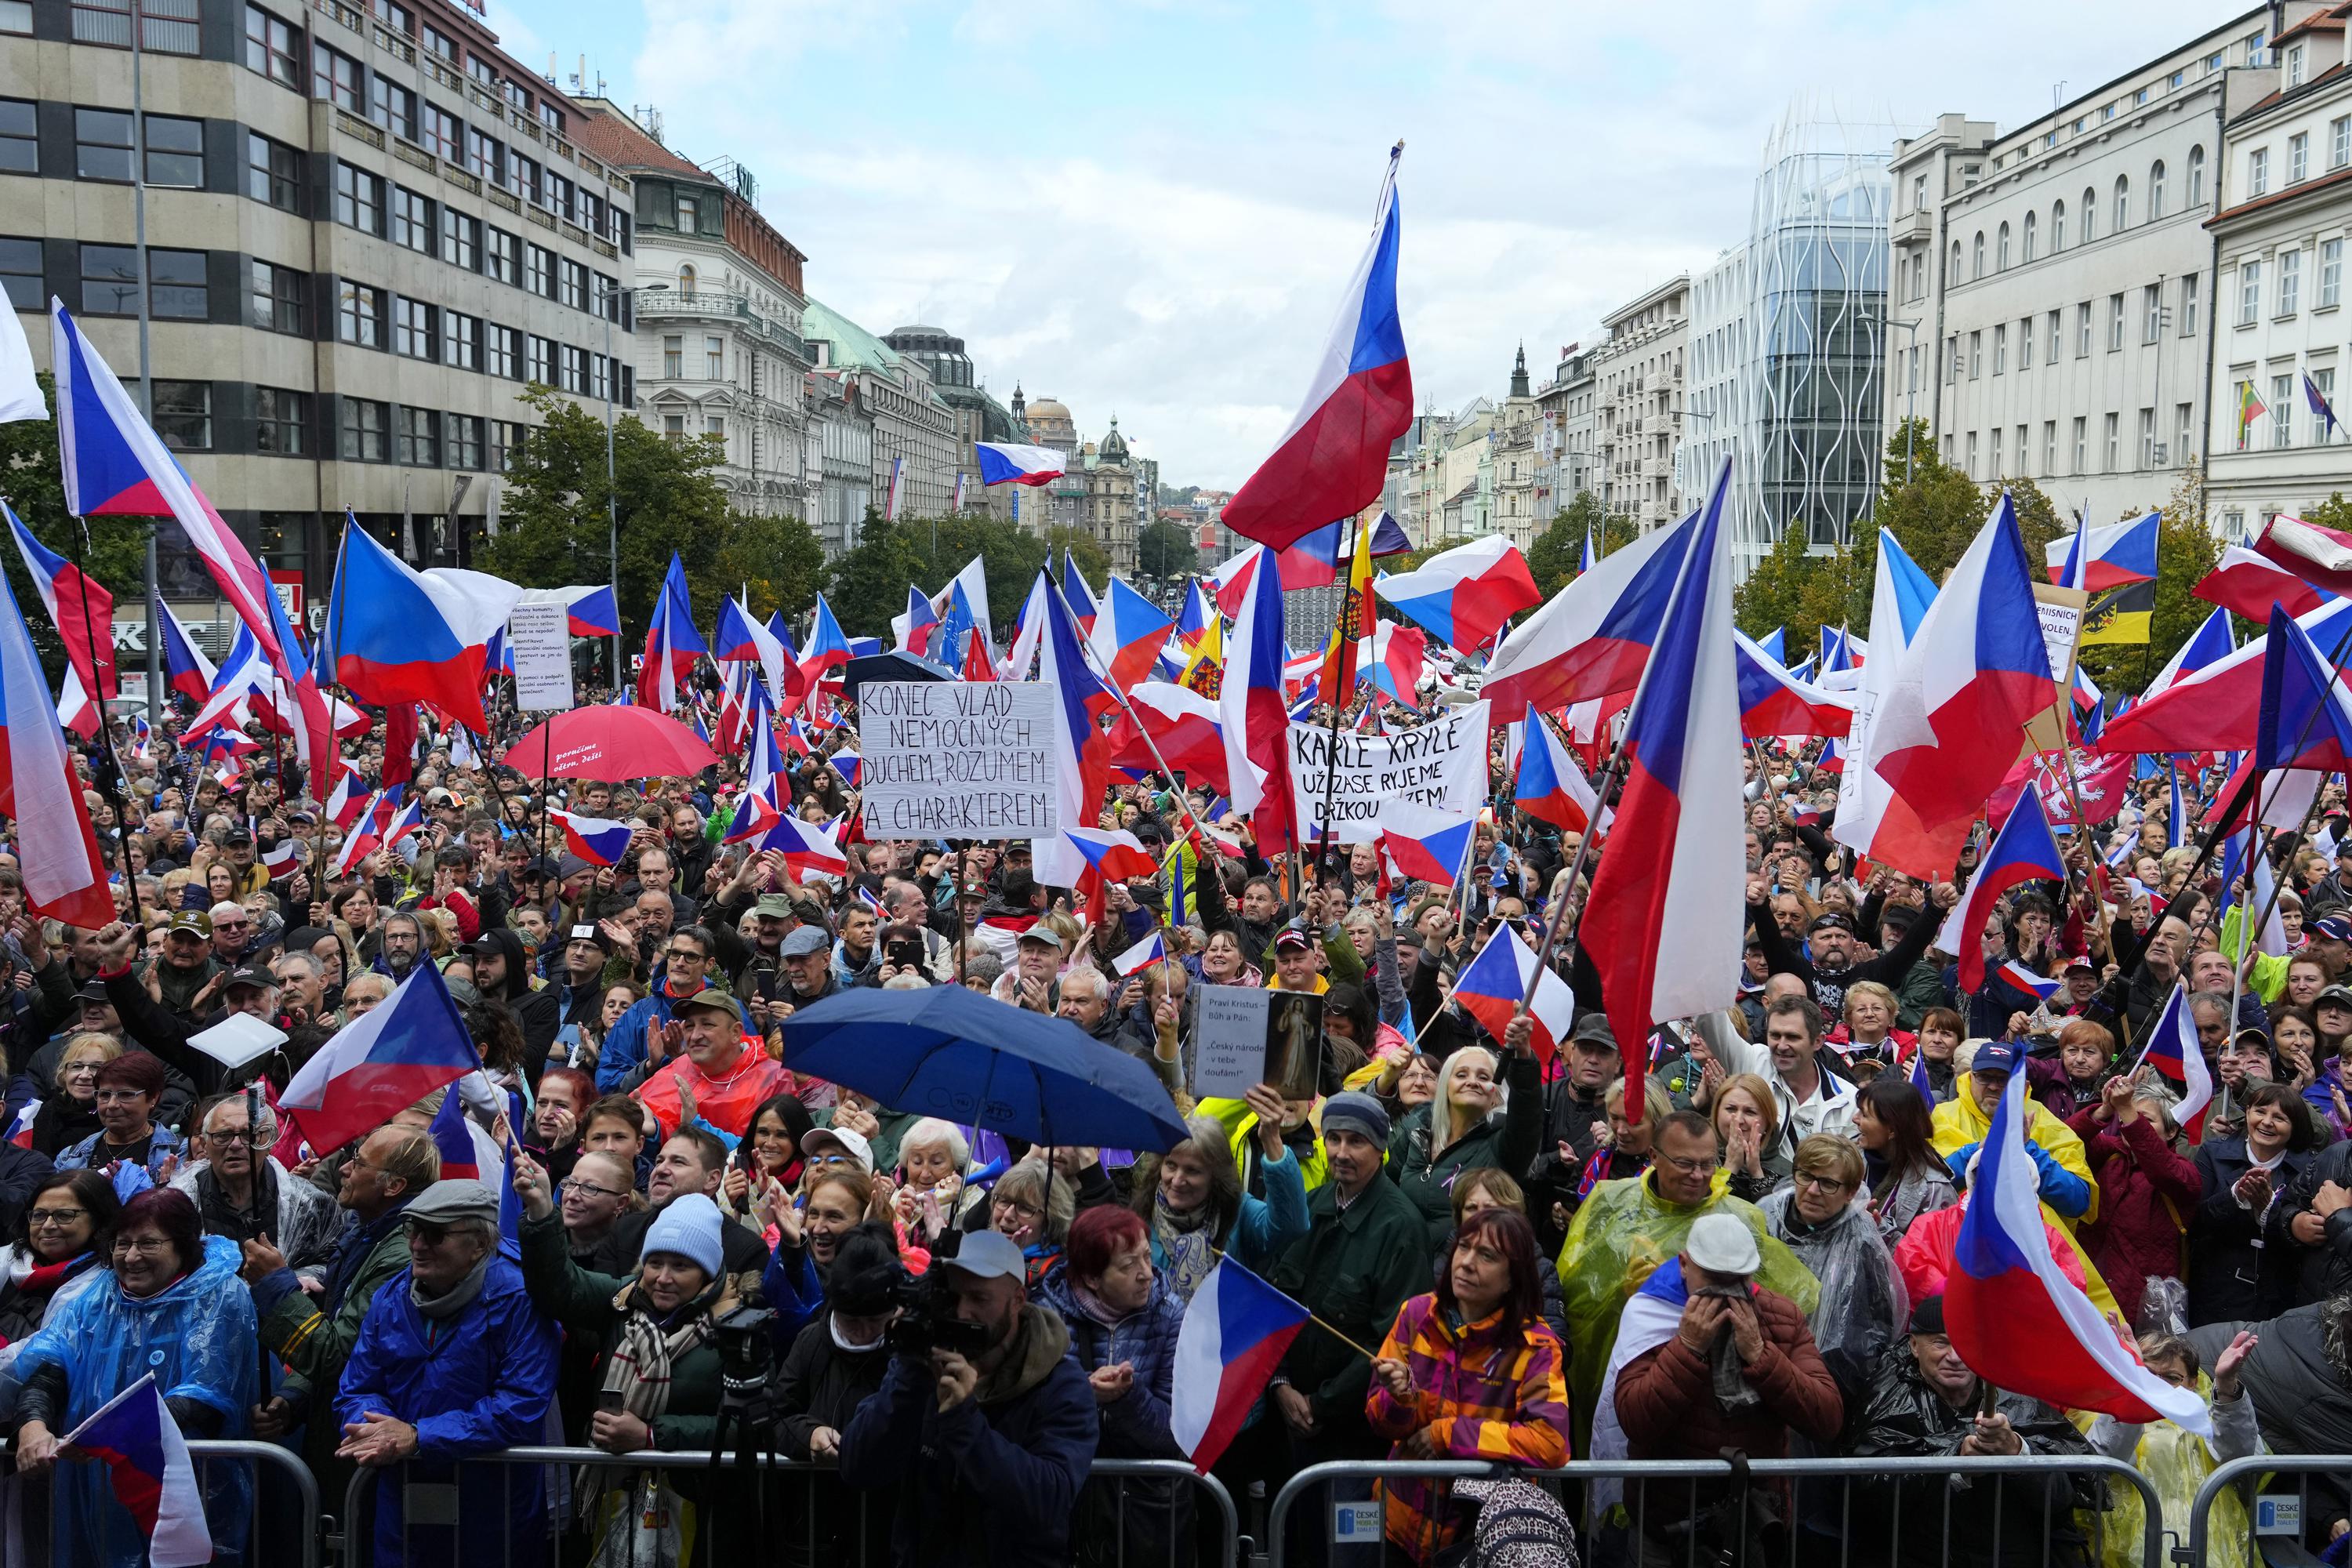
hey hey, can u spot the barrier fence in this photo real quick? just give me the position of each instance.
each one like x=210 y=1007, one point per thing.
x=2244 y=1516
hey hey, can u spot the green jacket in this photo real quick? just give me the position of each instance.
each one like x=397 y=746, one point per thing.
x=589 y=1304
x=1922 y=988
x=1507 y=1142
x=1354 y=1269
x=314 y=1345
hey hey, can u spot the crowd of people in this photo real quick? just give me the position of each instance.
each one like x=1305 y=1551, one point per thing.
x=1506 y=1260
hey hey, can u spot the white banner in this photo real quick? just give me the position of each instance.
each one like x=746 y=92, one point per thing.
x=957 y=759
x=540 y=638
x=1442 y=764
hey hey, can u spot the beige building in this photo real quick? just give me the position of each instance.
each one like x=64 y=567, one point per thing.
x=1564 y=439
x=1638 y=374
x=365 y=236
x=1512 y=463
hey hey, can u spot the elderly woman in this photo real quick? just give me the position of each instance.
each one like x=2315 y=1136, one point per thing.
x=68 y=1240
x=1123 y=1319
x=70 y=1116
x=1868 y=1029
x=660 y=1382
x=128 y=1089
x=1035 y=1210
x=933 y=1161
x=1487 y=1113
x=2146 y=1189
x=1833 y=1235
x=1193 y=1201
x=833 y=1200
x=173 y=1306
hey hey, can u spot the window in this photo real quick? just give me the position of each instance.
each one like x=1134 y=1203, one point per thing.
x=170 y=25
x=177 y=285
x=1976 y=255
x=101 y=144
x=184 y=415
x=2151 y=300
x=2295 y=66
x=541 y=361
x=269 y=47
x=412 y=220
x=1971 y=470
x=2325 y=381
x=2147 y=458
x=606 y=293
x=413 y=330
x=359 y=199
x=442 y=135
x=440 y=43
x=2090 y=216
x=2055 y=326
x=505 y=352
x=2331 y=273
x=1997 y=470
x=2182 y=449
x=2082 y=330
x=2030 y=220
x=359 y=314
x=334 y=77
x=282 y=421
x=20 y=273
x=1952 y=358
x=419 y=430
x=2000 y=349
x=2114 y=444
x=562 y=198
x=486 y=155
x=571 y=368
x=2339 y=142
x=500 y=249
x=2282 y=411
x=2290 y=281
x=688 y=212
x=2196 y=176
x=2050 y=446
x=461 y=239
x=280 y=297
x=539 y=270
x=574 y=284
x=2250 y=291
x=506 y=444
x=2057 y=227
x=2115 y=322
x=2189 y=306
x=175 y=153
x=2156 y=190
x=20 y=137
x=600 y=377
x=2000 y=255
x=714 y=357
x=523 y=177
x=2024 y=352
x=461 y=340
x=465 y=432
x=674 y=358
x=2258 y=171
x=2081 y=450
x=2298 y=157
x=273 y=172
x=361 y=435
x=2123 y=205
x=1954 y=271
x=392 y=106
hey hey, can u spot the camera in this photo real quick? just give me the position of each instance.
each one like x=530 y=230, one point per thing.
x=906 y=952
x=745 y=1339
x=927 y=1322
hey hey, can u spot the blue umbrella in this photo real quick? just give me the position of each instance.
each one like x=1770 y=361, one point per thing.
x=963 y=1058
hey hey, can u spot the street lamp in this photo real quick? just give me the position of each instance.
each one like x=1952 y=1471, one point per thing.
x=606 y=293
x=1910 y=389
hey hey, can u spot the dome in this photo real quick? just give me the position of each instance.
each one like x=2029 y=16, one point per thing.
x=1046 y=408
x=1114 y=446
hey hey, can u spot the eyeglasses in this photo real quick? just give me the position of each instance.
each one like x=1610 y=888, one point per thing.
x=140 y=1245
x=588 y=1189
x=1821 y=1183
x=1688 y=1167
x=119 y=1095
x=1015 y=1205
x=59 y=1218
x=246 y=1136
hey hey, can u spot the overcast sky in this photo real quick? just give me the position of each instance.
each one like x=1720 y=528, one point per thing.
x=1147 y=207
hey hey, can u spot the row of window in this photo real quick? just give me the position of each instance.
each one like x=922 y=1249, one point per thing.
x=2298 y=157
x=2287 y=294
x=2154 y=316
x=366 y=431
x=2152 y=453
x=2030 y=234
x=375 y=206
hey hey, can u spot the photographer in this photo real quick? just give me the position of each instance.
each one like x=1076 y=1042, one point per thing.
x=988 y=1448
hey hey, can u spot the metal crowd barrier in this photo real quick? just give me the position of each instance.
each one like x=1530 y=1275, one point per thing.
x=1815 y=1535
x=793 y=1534
x=266 y=1458
x=2281 y=1528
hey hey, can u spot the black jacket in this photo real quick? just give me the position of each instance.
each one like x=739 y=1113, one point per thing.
x=822 y=1384
x=22 y=1171
x=2303 y=1399
x=2242 y=1262
x=1829 y=988
x=2327 y=1269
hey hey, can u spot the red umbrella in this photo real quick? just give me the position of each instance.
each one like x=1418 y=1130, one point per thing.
x=610 y=742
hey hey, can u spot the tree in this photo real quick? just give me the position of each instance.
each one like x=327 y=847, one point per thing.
x=866 y=585
x=1165 y=549
x=1795 y=588
x=1936 y=511
x=1558 y=550
x=2186 y=550
x=775 y=560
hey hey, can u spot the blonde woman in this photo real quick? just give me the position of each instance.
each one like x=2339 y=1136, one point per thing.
x=1488 y=1111
x=71 y=1115
x=1748 y=1121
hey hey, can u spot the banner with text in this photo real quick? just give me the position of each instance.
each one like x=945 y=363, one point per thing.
x=957 y=759
x=1442 y=764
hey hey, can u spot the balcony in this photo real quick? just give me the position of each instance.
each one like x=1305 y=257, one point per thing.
x=706 y=304
x=1914 y=228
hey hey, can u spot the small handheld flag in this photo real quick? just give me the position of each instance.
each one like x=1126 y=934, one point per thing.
x=149 y=1470
x=1236 y=1332
x=2173 y=1050
x=1151 y=950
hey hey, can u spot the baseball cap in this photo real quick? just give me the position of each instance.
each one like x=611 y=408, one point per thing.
x=804 y=941
x=1593 y=1029
x=1722 y=1243
x=1043 y=932
x=93 y=991
x=849 y=1141
x=251 y=974
x=988 y=1254
x=712 y=1002
x=195 y=922
x=2331 y=928
x=773 y=907
x=239 y=835
x=1997 y=1056
x=1293 y=937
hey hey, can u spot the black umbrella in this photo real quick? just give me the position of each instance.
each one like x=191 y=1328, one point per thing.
x=896 y=665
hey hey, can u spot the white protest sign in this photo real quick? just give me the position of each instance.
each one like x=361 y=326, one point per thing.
x=957 y=759
x=237 y=1039
x=1442 y=764
x=1229 y=1040
x=540 y=638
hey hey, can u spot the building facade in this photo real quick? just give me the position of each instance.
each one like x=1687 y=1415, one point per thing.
x=718 y=298
x=1563 y=437
x=2064 y=280
x=979 y=417
x=1639 y=372
x=2286 y=178
x=1512 y=462
x=909 y=420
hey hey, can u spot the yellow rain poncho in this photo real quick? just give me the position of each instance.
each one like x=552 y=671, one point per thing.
x=1958 y=1122
x=2177 y=1463
x=1621 y=1235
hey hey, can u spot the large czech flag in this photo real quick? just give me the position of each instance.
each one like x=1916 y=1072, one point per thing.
x=186 y=670
x=1504 y=974
x=1129 y=630
x=397 y=635
x=2095 y=559
x=1592 y=640
x=598 y=840
x=1772 y=702
x=671 y=644
x=1550 y=786
x=2305 y=719
x=1669 y=880
x=1332 y=461
x=2217 y=708
x=78 y=608
x=2320 y=556
x=1003 y=462
x=409 y=1044
x=1234 y=1334
x=1182 y=724
x=1425 y=844
x=2025 y=850
x=1254 y=718
x=1465 y=594
x=2016 y=1319
x=2249 y=584
x=150 y=1472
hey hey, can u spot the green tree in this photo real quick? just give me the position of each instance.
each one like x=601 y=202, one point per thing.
x=866 y=585
x=1165 y=549
x=1558 y=550
x=1933 y=513
x=1795 y=588
x=775 y=560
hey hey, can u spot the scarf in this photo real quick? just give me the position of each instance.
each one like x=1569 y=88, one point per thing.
x=43 y=1280
x=458 y=1297
x=638 y=1367
x=1183 y=1237
x=833 y=1326
x=1096 y=1309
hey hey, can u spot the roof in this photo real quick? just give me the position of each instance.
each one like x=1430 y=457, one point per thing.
x=853 y=346
x=618 y=140
x=2330 y=20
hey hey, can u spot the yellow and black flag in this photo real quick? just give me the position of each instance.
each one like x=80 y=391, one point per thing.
x=1351 y=626
x=2119 y=615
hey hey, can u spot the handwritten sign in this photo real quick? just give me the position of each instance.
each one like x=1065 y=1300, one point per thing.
x=957 y=759
x=539 y=637
x=1441 y=763
x=1245 y=1036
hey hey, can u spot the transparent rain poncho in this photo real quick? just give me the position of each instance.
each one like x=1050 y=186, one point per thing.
x=1864 y=1304
x=198 y=1336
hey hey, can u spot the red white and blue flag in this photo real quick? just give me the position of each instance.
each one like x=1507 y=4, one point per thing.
x=1234 y=1334
x=2305 y=718
x=397 y=635
x=185 y=668
x=1670 y=878
x=913 y=630
x=2218 y=707
x=2249 y=584
x=1255 y=719
x=1084 y=605
x=150 y=1472
x=1152 y=948
x=1772 y=702
x=1185 y=726
x=828 y=649
x=1009 y=461
x=83 y=612
x=1114 y=852
x=742 y=638
x=591 y=610
x=56 y=851
x=1129 y=630
x=808 y=847
x=1504 y=973
x=2019 y=976
x=1463 y=595
x=1081 y=749
x=2016 y=1319
x=1592 y=640
x=2096 y=559
x=2025 y=850
x=595 y=839
x=1425 y=844
x=671 y=644
x=409 y=1044
x=1550 y=786
x=1391 y=661
x=2210 y=644
x=2173 y=1050
x=1332 y=461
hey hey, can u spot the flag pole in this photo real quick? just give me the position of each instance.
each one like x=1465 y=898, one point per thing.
x=1612 y=775
x=109 y=785
x=1343 y=1339
x=1334 y=660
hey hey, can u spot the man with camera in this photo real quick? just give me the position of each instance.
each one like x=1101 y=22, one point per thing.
x=984 y=1424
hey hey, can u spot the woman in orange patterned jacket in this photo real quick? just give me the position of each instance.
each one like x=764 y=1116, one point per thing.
x=1470 y=1372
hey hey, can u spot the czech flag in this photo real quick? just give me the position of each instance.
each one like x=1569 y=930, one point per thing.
x=1593 y=638
x=1427 y=845
x=2110 y=557
x=2218 y=707
x=1312 y=560
x=1152 y=948
x=1081 y=749
x=742 y=638
x=912 y=629
x=1256 y=720
x=1670 y=877
x=409 y=1044
x=56 y=849
x=1184 y=725
x=1084 y=606
x=1772 y=702
x=1116 y=853
x=454 y=1138
x=1505 y=970
x=281 y=858
x=185 y=668
x=2320 y=556
x=2174 y=1051
x=595 y=839
x=2249 y=584
x=671 y=643
x=1009 y=461
x=1465 y=595
x=1391 y=659
x=149 y=1473
x=828 y=649
x=1129 y=630
x=2210 y=644
x=591 y=609
x=2020 y=976
x=348 y=796
x=1332 y=461
x=2017 y=1320
x=1234 y=1335
x=807 y=847
x=83 y=612
x=2025 y=850
x=397 y=635
x=1388 y=538
x=1550 y=786
x=2306 y=715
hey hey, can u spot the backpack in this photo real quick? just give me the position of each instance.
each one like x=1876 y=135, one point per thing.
x=1519 y=1525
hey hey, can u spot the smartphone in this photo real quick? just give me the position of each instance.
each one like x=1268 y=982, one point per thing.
x=609 y=1399
x=907 y=953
